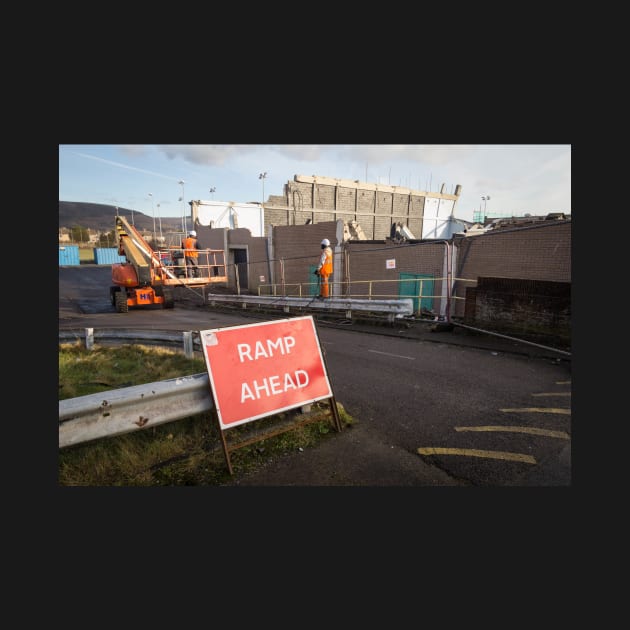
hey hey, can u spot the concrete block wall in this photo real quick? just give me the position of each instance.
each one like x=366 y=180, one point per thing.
x=374 y=210
x=374 y=207
x=281 y=215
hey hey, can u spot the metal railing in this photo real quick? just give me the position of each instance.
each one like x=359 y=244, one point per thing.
x=210 y=263
x=362 y=289
x=187 y=340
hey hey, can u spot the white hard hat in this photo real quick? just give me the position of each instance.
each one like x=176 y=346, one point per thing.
x=192 y=233
x=326 y=242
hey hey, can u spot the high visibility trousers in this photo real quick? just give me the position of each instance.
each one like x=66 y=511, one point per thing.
x=323 y=286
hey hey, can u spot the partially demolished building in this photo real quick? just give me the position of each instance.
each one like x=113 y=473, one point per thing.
x=370 y=211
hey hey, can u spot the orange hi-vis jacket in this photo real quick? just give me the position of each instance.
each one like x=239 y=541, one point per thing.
x=189 y=246
x=326 y=262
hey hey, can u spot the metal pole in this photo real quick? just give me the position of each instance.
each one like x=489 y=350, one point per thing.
x=263 y=176
x=181 y=183
x=153 y=212
x=160 y=221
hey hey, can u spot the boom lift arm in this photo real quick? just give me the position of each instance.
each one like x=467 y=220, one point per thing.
x=148 y=276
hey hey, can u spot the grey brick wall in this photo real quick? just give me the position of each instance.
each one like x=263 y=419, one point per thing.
x=541 y=252
x=240 y=238
x=299 y=248
x=368 y=261
x=528 y=256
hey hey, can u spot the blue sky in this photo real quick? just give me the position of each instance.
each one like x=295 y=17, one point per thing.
x=516 y=179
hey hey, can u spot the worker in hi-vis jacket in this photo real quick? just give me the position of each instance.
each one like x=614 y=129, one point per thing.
x=190 y=246
x=324 y=268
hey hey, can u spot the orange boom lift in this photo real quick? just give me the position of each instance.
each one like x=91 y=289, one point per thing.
x=148 y=276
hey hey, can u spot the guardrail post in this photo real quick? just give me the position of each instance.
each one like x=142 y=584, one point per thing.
x=188 y=344
x=89 y=338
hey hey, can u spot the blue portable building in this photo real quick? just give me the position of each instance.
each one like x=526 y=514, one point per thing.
x=107 y=256
x=68 y=255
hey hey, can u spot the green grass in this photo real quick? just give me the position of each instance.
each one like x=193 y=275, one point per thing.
x=183 y=452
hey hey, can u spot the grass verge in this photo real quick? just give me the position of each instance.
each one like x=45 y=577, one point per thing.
x=184 y=452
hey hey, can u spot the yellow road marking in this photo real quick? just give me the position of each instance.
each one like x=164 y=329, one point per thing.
x=566 y=412
x=471 y=452
x=563 y=382
x=553 y=394
x=531 y=430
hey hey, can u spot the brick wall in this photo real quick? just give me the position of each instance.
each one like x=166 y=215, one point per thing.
x=297 y=248
x=536 y=309
x=368 y=260
x=356 y=262
x=541 y=252
x=536 y=260
x=239 y=238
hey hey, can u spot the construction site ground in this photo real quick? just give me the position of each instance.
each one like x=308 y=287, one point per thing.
x=353 y=457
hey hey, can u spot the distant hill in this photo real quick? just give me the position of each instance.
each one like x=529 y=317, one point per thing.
x=102 y=217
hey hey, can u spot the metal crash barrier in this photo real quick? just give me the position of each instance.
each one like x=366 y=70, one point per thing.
x=392 y=308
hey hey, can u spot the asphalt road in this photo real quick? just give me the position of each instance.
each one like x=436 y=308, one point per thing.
x=431 y=409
